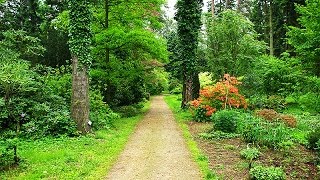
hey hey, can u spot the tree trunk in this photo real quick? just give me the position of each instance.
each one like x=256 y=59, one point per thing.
x=191 y=88
x=107 y=26
x=196 y=86
x=238 y=5
x=108 y=83
x=227 y=4
x=212 y=8
x=80 y=96
x=187 y=92
x=271 y=29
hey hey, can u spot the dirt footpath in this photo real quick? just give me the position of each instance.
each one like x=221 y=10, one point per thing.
x=156 y=150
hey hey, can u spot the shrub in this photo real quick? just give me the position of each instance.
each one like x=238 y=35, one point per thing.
x=310 y=102
x=250 y=153
x=313 y=137
x=222 y=95
x=289 y=120
x=226 y=121
x=202 y=115
x=267 y=173
x=268 y=114
x=100 y=113
x=256 y=130
x=271 y=115
x=127 y=111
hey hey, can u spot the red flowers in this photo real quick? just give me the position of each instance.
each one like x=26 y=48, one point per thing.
x=222 y=95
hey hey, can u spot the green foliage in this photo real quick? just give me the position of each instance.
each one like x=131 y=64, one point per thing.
x=313 y=138
x=250 y=153
x=262 y=132
x=127 y=111
x=267 y=173
x=200 y=115
x=275 y=102
x=305 y=39
x=217 y=135
x=309 y=102
x=28 y=47
x=72 y=158
x=188 y=19
x=101 y=115
x=226 y=120
x=130 y=111
x=276 y=76
x=79 y=31
x=232 y=45
x=25 y=91
x=156 y=81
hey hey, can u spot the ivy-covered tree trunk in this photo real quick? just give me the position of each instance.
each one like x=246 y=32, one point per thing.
x=189 y=22
x=80 y=42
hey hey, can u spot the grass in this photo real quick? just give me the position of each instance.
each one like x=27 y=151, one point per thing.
x=182 y=117
x=86 y=157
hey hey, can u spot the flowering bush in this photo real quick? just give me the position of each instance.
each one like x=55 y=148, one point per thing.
x=224 y=94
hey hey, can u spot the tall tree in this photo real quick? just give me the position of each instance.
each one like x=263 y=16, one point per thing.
x=80 y=42
x=271 y=19
x=188 y=19
x=231 y=44
x=306 y=39
x=271 y=29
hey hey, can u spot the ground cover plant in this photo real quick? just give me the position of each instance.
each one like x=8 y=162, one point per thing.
x=73 y=158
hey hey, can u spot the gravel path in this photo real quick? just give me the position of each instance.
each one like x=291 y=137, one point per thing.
x=156 y=150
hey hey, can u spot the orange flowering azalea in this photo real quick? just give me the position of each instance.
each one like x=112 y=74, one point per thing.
x=222 y=95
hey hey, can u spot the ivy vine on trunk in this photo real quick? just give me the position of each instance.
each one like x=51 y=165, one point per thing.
x=188 y=18
x=80 y=42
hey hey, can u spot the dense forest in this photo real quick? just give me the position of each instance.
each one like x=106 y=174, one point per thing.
x=73 y=71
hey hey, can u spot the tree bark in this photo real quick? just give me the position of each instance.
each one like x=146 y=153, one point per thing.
x=227 y=4
x=212 y=8
x=191 y=88
x=196 y=86
x=271 y=29
x=108 y=83
x=187 y=90
x=80 y=96
x=238 y=5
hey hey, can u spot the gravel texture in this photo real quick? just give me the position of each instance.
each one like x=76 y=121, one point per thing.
x=156 y=150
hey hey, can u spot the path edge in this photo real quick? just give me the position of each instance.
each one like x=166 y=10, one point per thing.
x=197 y=155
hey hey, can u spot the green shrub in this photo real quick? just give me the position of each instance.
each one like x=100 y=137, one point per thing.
x=313 y=137
x=274 y=102
x=225 y=120
x=100 y=113
x=310 y=102
x=127 y=111
x=259 y=131
x=267 y=173
x=200 y=115
x=250 y=153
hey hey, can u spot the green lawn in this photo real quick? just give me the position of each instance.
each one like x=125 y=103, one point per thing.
x=86 y=157
x=182 y=117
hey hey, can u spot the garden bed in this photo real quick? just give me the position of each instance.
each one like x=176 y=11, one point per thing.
x=224 y=157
